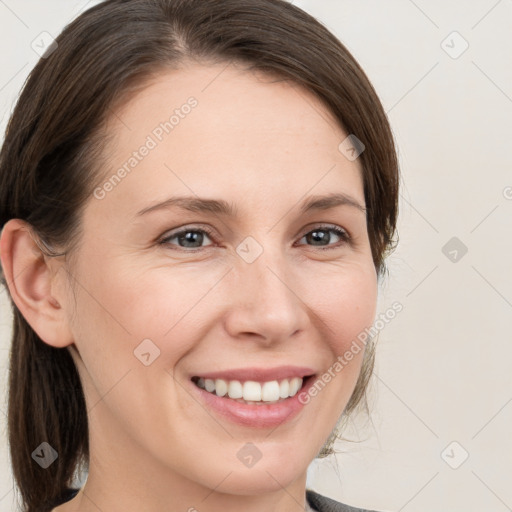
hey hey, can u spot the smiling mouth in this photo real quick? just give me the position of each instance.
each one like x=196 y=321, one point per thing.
x=252 y=392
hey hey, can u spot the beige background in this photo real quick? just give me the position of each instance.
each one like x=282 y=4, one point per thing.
x=443 y=388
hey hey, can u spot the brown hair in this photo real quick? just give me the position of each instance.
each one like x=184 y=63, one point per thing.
x=50 y=159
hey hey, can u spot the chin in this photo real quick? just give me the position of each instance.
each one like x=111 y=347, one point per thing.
x=272 y=467
x=259 y=481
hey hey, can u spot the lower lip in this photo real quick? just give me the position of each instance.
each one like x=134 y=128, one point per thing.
x=262 y=416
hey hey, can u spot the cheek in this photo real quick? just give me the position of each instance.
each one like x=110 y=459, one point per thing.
x=345 y=299
x=129 y=304
x=125 y=313
x=125 y=304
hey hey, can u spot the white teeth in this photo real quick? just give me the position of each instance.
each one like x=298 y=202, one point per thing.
x=209 y=385
x=295 y=385
x=284 y=388
x=221 y=387
x=270 y=391
x=235 y=389
x=251 y=391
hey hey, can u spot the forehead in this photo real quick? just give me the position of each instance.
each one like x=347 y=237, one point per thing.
x=217 y=130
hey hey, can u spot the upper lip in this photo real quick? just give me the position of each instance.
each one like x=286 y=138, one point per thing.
x=259 y=374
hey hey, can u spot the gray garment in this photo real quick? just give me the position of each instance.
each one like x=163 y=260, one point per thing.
x=321 y=503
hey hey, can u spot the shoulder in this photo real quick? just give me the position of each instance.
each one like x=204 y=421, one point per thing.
x=325 y=504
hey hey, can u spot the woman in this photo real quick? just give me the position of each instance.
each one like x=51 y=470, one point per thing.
x=197 y=198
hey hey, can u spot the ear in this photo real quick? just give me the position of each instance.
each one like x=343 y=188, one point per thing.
x=32 y=279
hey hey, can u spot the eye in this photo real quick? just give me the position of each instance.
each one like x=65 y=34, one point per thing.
x=190 y=238
x=321 y=236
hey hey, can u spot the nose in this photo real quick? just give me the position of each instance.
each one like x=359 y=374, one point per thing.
x=265 y=300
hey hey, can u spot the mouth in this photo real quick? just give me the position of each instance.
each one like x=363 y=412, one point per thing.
x=254 y=392
x=256 y=397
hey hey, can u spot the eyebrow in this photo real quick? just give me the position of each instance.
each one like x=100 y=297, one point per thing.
x=221 y=207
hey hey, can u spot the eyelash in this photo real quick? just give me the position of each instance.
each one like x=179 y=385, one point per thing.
x=343 y=234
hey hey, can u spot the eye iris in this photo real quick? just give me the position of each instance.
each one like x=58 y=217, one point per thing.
x=191 y=237
x=319 y=236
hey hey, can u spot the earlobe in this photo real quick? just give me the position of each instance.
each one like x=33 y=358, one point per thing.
x=31 y=277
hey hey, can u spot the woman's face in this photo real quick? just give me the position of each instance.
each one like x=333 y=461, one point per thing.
x=197 y=289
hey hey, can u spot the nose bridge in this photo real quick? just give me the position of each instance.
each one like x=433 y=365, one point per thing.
x=264 y=301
